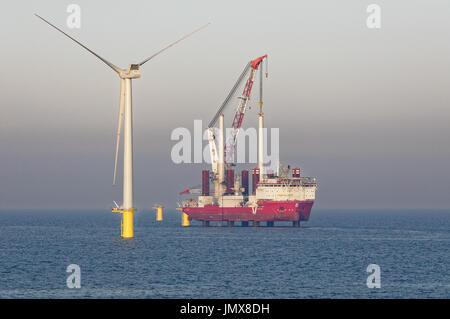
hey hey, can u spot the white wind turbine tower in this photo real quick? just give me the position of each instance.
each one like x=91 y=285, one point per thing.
x=125 y=114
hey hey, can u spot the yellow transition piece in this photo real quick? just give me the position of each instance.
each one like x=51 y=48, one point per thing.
x=127 y=222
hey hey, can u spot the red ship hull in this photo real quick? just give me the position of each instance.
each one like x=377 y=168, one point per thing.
x=267 y=211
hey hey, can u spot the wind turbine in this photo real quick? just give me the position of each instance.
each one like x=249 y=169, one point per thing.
x=125 y=114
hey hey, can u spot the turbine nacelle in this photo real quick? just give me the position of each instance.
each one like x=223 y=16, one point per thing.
x=131 y=73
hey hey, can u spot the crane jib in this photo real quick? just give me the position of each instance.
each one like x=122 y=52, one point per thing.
x=250 y=70
x=239 y=115
x=230 y=95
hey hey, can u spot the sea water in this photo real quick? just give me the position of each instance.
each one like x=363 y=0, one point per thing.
x=325 y=258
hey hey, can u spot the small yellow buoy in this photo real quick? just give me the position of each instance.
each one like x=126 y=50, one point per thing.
x=185 y=222
x=159 y=212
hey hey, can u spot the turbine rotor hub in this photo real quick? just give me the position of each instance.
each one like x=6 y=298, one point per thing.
x=131 y=73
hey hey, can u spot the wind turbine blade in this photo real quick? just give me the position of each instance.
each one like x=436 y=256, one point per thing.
x=170 y=45
x=119 y=126
x=112 y=66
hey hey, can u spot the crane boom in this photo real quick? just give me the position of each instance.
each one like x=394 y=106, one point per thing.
x=251 y=67
x=211 y=137
x=242 y=106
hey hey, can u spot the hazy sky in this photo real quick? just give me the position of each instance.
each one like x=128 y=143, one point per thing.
x=365 y=111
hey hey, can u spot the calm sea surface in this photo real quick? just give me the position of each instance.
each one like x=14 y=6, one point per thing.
x=325 y=258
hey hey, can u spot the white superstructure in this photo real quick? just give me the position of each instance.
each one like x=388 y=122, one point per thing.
x=282 y=189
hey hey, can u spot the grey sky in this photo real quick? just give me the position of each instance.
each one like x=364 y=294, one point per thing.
x=365 y=111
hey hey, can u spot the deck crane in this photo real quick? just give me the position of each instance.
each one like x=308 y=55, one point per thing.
x=249 y=69
x=242 y=106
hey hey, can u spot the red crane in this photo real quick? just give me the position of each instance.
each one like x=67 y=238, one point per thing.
x=242 y=106
x=250 y=69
